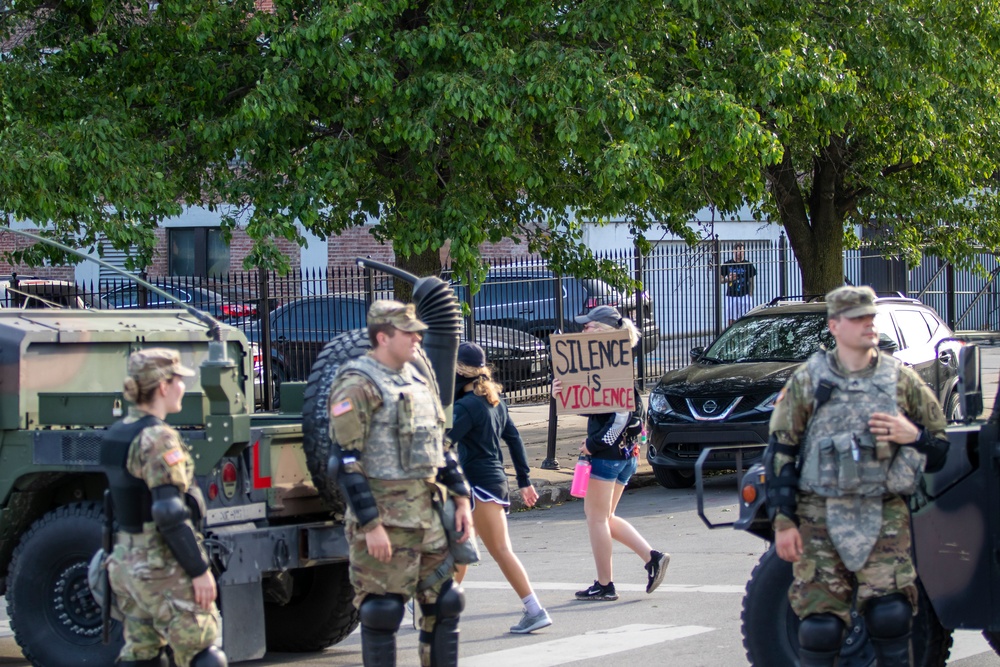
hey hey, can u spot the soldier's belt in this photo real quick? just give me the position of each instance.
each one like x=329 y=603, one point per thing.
x=141 y=540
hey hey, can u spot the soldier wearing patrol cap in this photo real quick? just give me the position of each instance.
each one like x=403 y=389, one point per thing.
x=851 y=433
x=393 y=468
x=158 y=568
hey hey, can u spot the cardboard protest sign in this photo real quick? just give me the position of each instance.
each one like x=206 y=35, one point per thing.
x=596 y=372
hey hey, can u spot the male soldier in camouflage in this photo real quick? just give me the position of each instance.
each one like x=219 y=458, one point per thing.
x=158 y=568
x=389 y=424
x=851 y=433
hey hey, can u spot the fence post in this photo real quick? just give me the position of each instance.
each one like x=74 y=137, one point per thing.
x=370 y=283
x=639 y=315
x=550 y=462
x=470 y=319
x=782 y=265
x=952 y=306
x=264 y=344
x=717 y=282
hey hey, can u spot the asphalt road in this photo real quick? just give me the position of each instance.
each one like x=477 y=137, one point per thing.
x=691 y=621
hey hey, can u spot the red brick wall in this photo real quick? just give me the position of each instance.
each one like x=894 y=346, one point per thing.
x=10 y=242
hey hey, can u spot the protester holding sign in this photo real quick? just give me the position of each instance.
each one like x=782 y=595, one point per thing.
x=610 y=444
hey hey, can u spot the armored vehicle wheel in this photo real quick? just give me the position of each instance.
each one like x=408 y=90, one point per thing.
x=316 y=408
x=319 y=613
x=670 y=478
x=55 y=619
x=770 y=629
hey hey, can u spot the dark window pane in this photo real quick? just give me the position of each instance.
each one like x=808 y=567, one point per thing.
x=217 y=254
x=182 y=252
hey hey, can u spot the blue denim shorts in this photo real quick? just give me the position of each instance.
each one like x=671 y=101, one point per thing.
x=608 y=470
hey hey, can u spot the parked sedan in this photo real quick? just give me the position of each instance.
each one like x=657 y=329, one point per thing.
x=225 y=310
x=300 y=328
x=727 y=394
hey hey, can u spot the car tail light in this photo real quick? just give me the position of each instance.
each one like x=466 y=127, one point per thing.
x=229 y=477
x=213 y=491
x=238 y=310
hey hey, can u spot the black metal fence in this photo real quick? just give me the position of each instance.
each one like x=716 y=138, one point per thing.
x=682 y=304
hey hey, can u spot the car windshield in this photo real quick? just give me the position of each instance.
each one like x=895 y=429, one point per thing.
x=788 y=337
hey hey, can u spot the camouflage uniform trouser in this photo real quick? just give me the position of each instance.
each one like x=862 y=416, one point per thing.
x=157 y=599
x=824 y=585
x=416 y=554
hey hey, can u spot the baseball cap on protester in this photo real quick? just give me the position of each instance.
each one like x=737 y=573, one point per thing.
x=850 y=301
x=604 y=314
x=156 y=364
x=471 y=354
x=403 y=316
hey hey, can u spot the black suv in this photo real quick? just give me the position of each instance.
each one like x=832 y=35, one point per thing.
x=524 y=297
x=727 y=394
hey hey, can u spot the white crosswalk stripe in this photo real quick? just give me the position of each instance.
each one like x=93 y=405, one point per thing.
x=593 y=644
x=629 y=588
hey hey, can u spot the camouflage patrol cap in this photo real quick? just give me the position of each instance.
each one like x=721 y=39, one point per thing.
x=403 y=316
x=850 y=301
x=156 y=364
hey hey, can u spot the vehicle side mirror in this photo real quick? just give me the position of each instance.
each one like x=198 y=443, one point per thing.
x=970 y=390
x=886 y=344
x=696 y=352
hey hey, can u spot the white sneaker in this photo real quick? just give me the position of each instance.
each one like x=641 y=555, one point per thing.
x=530 y=623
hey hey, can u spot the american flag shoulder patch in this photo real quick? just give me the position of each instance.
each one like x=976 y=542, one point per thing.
x=173 y=456
x=342 y=408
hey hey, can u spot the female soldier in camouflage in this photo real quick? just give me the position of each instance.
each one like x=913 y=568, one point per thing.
x=158 y=568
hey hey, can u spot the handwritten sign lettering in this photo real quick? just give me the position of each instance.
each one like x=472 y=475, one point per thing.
x=596 y=372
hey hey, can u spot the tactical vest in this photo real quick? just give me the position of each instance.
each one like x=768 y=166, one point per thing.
x=131 y=497
x=405 y=434
x=840 y=455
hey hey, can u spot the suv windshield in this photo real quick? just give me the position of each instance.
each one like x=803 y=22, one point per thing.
x=788 y=337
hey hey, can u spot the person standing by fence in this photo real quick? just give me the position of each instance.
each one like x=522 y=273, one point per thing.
x=738 y=274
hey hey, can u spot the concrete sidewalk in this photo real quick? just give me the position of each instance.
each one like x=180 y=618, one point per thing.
x=553 y=485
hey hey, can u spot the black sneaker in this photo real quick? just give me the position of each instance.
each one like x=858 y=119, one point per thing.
x=598 y=592
x=655 y=569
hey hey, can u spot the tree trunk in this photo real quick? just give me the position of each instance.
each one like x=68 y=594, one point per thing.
x=815 y=227
x=426 y=263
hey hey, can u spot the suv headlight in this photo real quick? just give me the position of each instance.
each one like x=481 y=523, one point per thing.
x=658 y=402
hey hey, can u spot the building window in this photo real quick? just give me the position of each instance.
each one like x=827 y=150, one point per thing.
x=198 y=251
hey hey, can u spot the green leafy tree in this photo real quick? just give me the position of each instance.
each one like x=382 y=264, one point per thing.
x=441 y=121
x=886 y=112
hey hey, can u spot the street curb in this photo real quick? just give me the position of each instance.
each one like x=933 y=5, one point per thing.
x=557 y=493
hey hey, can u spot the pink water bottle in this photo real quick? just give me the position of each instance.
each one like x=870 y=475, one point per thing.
x=581 y=477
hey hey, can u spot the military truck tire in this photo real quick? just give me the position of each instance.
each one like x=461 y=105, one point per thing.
x=55 y=620
x=319 y=614
x=316 y=408
x=670 y=478
x=770 y=629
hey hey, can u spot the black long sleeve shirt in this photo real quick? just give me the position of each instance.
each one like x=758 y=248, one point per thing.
x=478 y=428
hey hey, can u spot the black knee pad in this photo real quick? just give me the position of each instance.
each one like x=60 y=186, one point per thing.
x=821 y=632
x=451 y=600
x=210 y=657
x=159 y=661
x=382 y=612
x=889 y=617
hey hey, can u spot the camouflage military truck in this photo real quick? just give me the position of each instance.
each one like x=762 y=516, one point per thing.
x=956 y=536
x=276 y=540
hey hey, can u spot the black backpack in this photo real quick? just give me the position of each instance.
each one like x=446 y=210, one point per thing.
x=636 y=422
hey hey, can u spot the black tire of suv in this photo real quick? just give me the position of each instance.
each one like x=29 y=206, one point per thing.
x=55 y=619
x=316 y=441
x=669 y=478
x=320 y=614
x=770 y=628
